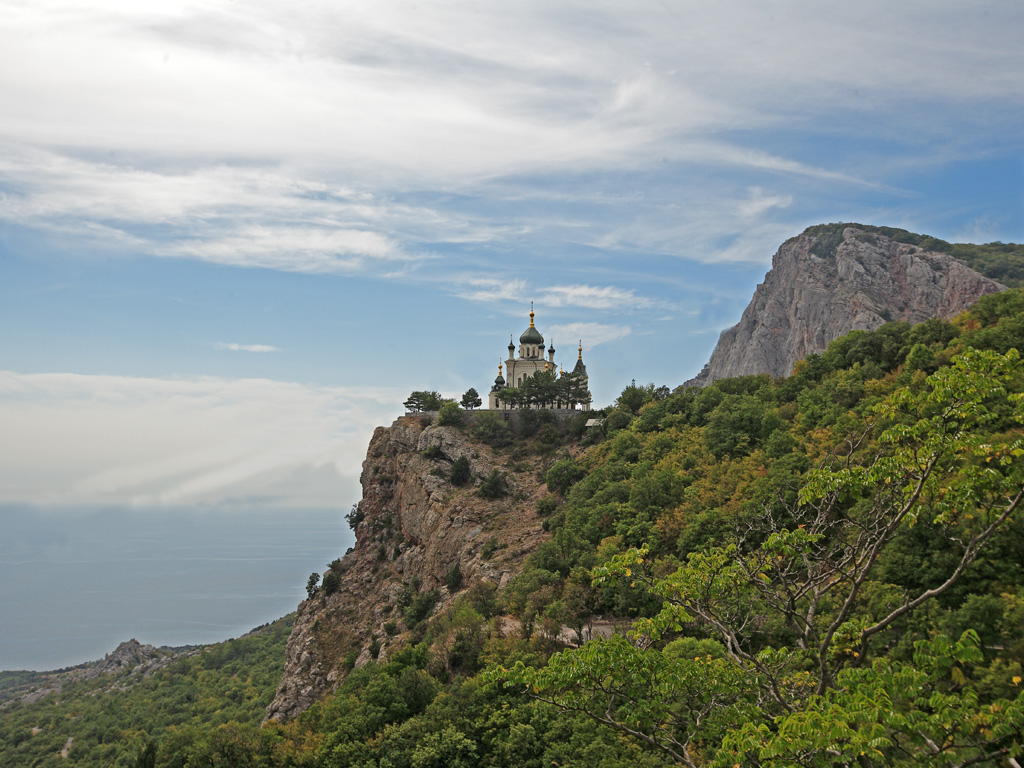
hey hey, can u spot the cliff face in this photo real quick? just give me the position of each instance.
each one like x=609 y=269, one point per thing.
x=861 y=282
x=414 y=526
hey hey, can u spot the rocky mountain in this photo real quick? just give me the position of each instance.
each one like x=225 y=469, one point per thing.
x=419 y=538
x=834 y=279
x=129 y=663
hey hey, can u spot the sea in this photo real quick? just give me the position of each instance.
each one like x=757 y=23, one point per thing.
x=75 y=583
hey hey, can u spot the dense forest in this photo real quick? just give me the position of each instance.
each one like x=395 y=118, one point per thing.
x=826 y=569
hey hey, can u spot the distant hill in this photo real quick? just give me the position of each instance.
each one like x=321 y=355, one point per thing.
x=108 y=712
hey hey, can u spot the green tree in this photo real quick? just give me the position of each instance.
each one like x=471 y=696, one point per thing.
x=311 y=585
x=540 y=390
x=823 y=692
x=563 y=474
x=453 y=579
x=461 y=471
x=572 y=390
x=471 y=399
x=423 y=401
x=635 y=396
x=493 y=486
x=331 y=582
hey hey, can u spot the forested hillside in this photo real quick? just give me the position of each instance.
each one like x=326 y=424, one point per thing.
x=826 y=569
x=216 y=694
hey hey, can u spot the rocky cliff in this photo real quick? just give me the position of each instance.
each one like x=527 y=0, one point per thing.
x=832 y=280
x=413 y=528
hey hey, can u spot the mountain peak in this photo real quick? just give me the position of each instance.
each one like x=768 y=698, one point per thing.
x=837 y=278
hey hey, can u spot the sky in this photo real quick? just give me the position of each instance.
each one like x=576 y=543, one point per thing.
x=234 y=236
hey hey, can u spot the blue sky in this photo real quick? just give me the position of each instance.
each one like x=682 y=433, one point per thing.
x=234 y=236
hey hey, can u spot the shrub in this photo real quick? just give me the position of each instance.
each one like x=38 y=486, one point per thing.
x=482 y=598
x=461 y=472
x=354 y=516
x=493 y=487
x=331 y=583
x=549 y=435
x=563 y=474
x=453 y=579
x=449 y=415
x=420 y=607
x=547 y=505
x=529 y=421
x=487 y=550
x=492 y=429
x=433 y=453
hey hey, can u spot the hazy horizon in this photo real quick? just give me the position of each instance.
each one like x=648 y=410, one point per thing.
x=76 y=583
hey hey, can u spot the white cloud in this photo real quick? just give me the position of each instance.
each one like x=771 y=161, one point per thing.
x=591 y=334
x=758 y=203
x=235 y=347
x=251 y=134
x=592 y=297
x=247 y=217
x=518 y=291
x=381 y=92
x=489 y=290
x=290 y=248
x=92 y=440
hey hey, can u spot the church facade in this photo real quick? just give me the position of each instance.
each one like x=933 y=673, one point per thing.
x=567 y=391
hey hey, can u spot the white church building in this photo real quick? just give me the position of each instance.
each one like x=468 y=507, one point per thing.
x=531 y=360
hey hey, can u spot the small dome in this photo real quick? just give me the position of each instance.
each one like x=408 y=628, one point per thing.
x=500 y=381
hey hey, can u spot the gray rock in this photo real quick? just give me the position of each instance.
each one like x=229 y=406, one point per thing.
x=807 y=301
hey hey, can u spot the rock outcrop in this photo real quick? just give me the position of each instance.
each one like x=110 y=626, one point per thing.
x=412 y=528
x=814 y=294
x=131 y=662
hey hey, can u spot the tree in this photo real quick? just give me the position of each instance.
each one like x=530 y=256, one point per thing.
x=461 y=471
x=471 y=400
x=634 y=396
x=572 y=390
x=311 y=585
x=540 y=389
x=331 y=582
x=453 y=579
x=806 y=678
x=423 y=401
x=493 y=486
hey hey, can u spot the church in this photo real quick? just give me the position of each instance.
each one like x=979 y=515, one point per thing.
x=566 y=391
